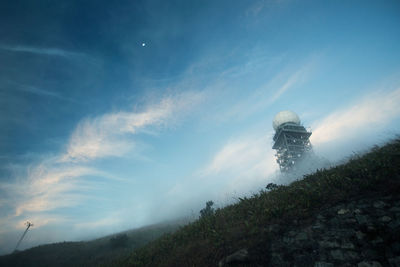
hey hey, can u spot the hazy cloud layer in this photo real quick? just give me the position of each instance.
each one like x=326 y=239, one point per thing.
x=369 y=113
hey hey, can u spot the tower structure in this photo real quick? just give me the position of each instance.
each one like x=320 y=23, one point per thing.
x=291 y=140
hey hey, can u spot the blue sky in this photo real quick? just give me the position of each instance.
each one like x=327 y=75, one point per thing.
x=100 y=133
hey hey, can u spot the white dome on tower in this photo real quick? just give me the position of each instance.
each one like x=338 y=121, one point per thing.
x=284 y=117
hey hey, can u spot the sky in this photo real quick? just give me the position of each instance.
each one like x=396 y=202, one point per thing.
x=120 y=114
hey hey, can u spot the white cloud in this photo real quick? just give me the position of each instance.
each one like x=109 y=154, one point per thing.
x=369 y=114
x=105 y=136
x=237 y=155
x=47 y=187
x=243 y=164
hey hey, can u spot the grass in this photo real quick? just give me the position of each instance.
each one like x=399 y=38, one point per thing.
x=87 y=253
x=247 y=223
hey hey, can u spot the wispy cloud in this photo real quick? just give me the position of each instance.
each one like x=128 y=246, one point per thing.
x=293 y=79
x=270 y=92
x=38 y=91
x=373 y=111
x=106 y=135
x=260 y=5
x=48 y=188
x=237 y=156
x=245 y=162
x=41 y=51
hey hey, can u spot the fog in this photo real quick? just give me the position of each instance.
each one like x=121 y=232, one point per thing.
x=114 y=116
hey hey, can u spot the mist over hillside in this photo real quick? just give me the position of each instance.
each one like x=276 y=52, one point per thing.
x=116 y=115
x=348 y=213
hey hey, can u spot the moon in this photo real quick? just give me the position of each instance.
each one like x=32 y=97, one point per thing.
x=143 y=44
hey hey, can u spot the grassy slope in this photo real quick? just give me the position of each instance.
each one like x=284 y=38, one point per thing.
x=245 y=224
x=90 y=253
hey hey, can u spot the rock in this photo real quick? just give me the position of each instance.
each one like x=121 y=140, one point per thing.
x=379 y=204
x=301 y=236
x=347 y=245
x=329 y=244
x=360 y=235
x=369 y=264
x=292 y=233
x=344 y=233
x=273 y=228
x=385 y=219
x=377 y=240
x=317 y=226
x=239 y=256
x=340 y=255
x=351 y=255
x=343 y=211
x=394 y=224
x=337 y=254
x=362 y=219
x=357 y=211
x=351 y=221
x=323 y=264
x=380 y=212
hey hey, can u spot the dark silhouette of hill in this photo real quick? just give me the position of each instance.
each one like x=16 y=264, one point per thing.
x=89 y=253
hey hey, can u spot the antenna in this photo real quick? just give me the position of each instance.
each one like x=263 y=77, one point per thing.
x=291 y=140
x=28 y=224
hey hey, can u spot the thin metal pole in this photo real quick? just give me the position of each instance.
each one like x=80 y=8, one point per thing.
x=23 y=235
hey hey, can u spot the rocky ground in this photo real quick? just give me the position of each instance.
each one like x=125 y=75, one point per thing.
x=363 y=232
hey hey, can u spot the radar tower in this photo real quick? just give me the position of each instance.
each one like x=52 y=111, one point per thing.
x=291 y=140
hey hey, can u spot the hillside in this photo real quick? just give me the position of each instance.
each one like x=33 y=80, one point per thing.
x=348 y=215
x=89 y=253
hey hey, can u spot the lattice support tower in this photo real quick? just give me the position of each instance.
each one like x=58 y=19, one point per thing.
x=291 y=140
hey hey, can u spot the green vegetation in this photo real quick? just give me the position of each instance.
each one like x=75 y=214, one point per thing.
x=98 y=252
x=208 y=210
x=119 y=241
x=246 y=223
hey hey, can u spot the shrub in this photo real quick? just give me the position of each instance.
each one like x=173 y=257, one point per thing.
x=208 y=210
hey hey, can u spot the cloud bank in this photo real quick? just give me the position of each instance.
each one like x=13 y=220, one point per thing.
x=370 y=113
